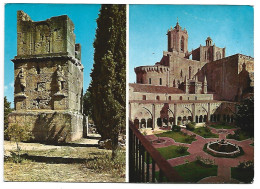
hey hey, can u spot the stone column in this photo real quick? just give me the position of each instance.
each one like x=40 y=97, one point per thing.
x=193 y=112
x=153 y=118
x=175 y=114
x=145 y=121
x=208 y=117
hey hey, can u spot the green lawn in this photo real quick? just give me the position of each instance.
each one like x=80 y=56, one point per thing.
x=205 y=132
x=239 y=135
x=170 y=152
x=243 y=175
x=194 y=171
x=178 y=136
x=222 y=126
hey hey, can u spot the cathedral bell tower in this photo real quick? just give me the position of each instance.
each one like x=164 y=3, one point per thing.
x=178 y=40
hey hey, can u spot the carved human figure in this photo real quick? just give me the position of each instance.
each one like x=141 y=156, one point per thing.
x=22 y=79
x=60 y=79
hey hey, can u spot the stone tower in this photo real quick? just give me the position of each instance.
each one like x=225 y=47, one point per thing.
x=48 y=79
x=178 y=40
x=208 y=53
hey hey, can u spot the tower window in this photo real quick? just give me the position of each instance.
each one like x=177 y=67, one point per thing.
x=150 y=81
x=170 y=98
x=144 y=97
x=182 y=43
x=157 y=98
x=160 y=81
x=180 y=97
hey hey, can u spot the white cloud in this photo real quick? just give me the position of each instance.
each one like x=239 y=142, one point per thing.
x=11 y=84
x=5 y=87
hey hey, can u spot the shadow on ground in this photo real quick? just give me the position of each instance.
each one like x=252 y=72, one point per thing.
x=55 y=160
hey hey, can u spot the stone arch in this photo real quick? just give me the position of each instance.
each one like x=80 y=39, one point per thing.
x=200 y=119
x=205 y=118
x=149 y=123
x=143 y=123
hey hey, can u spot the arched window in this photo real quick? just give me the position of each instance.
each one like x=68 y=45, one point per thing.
x=182 y=43
x=180 y=97
x=157 y=98
x=144 y=97
x=170 y=98
x=160 y=81
x=150 y=81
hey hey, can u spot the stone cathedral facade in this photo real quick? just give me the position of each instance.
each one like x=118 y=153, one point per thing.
x=48 y=79
x=200 y=86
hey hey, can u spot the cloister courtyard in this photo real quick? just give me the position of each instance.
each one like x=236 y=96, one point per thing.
x=186 y=152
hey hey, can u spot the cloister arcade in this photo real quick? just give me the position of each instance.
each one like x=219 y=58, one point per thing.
x=164 y=115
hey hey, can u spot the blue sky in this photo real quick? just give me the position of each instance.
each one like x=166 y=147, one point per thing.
x=228 y=26
x=84 y=18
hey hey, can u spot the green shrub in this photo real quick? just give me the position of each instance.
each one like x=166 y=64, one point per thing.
x=176 y=128
x=246 y=165
x=205 y=161
x=181 y=149
x=190 y=126
x=207 y=130
x=18 y=133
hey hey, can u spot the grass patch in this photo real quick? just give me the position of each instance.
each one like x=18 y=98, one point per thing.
x=242 y=175
x=193 y=172
x=178 y=136
x=205 y=132
x=222 y=126
x=170 y=152
x=67 y=164
x=239 y=135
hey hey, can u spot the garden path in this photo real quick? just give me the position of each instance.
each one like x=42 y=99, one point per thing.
x=196 y=149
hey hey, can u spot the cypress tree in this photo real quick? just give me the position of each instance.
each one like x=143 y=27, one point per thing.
x=107 y=88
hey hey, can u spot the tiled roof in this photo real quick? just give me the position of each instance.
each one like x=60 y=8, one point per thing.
x=155 y=89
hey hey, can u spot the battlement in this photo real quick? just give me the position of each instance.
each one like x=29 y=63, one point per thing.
x=156 y=68
x=54 y=35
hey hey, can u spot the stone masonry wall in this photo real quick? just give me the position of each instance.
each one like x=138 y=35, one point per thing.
x=48 y=79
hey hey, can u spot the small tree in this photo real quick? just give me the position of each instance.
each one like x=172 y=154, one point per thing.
x=7 y=111
x=18 y=133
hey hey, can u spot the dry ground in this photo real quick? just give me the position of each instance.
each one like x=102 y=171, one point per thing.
x=71 y=163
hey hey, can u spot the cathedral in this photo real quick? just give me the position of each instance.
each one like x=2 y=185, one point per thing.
x=201 y=86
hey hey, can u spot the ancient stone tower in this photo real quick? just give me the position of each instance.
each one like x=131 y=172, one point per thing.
x=48 y=79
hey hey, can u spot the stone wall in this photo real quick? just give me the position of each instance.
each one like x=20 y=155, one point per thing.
x=228 y=78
